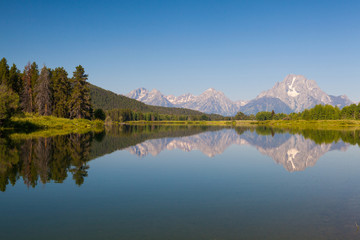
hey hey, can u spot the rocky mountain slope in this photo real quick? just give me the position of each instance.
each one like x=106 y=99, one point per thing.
x=298 y=93
x=210 y=101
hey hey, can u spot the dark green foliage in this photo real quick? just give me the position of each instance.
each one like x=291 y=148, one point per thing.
x=61 y=92
x=4 y=71
x=321 y=112
x=243 y=116
x=9 y=102
x=203 y=117
x=26 y=93
x=99 y=114
x=328 y=112
x=49 y=92
x=351 y=112
x=79 y=104
x=280 y=116
x=43 y=93
x=34 y=74
x=262 y=116
x=15 y=82
x=124 y=115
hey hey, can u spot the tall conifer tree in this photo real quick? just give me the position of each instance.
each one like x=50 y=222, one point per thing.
x=43 y=92
x=8 y=102
x=79 y=104
x=26 y=93
x=61 y=92
x=34 y=75
x=4 y=71
x=14 y=82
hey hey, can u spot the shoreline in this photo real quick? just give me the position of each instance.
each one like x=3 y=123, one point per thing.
x=306 y=124
x=46 y=126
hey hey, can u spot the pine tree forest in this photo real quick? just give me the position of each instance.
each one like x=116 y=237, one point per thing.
x=44 y=92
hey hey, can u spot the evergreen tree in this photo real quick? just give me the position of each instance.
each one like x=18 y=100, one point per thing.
x=4 y=71
x=80 y=105
x=61 y=92
x=26 y=93
x=9 y=102
x=43 y=93
x=100 y=114
x=14 y=82
x=34 y=75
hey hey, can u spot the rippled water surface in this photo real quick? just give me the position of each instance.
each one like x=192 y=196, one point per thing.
x=156 y=182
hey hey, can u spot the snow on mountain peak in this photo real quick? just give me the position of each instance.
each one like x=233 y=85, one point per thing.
x=292 y=92
x=210 y=101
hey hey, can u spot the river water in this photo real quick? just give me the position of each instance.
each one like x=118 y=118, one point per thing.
x=157 y=182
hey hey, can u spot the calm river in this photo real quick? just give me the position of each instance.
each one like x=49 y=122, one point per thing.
x=157 y=182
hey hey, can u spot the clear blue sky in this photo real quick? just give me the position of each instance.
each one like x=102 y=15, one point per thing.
x=238 y=47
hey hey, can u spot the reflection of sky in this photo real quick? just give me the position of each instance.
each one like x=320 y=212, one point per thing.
x=187 y=195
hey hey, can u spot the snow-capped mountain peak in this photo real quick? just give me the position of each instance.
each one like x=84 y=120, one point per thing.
x=154 y=97
x=138 y=94
x=299 y=93
x=210 y=101
x=294 y=94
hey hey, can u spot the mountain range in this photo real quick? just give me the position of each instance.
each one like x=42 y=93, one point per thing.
x=294 y=94
x=210 y=101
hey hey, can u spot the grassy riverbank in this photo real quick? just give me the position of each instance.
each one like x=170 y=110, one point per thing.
x=312 y=124
x=49 y=126
x=44 y=126
x=204 y=123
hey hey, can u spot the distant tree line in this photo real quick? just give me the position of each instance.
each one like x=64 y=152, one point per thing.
x=45 y=92
x=319 y=112
x=124 y=115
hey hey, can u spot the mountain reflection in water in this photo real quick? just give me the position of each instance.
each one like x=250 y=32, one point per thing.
x=294 y=152
x=43 y=160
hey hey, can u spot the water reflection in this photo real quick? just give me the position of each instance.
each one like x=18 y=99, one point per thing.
x=44 y=159
x=293 y=151
x=41 y=160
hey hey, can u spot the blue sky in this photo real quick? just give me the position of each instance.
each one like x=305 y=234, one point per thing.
x=238 y=47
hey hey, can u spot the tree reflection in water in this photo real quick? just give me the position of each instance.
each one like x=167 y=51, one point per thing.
x=44 y=159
